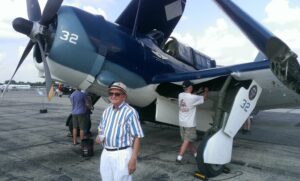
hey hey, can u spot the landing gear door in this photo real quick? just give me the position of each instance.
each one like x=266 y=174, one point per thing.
x=167 y=110
x=244 y=103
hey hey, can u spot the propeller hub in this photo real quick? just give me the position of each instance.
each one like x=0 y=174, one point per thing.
x=23 y=26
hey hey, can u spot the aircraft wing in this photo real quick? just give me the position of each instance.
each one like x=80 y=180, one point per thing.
x=214 y=78
x=162 y=15
x=211 y=73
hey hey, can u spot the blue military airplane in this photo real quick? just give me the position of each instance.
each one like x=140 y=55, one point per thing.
x=86 y=51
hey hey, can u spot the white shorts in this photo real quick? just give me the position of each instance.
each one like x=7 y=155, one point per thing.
x=114 y=165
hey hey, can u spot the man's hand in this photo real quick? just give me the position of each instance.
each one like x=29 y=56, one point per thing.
x=205 y=94
x=134 y=154
x=98 y=141
x=201 y=91
x=131 y=165
x=206 y=89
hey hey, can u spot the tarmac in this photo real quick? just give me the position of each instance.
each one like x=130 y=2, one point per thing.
x=35 y=146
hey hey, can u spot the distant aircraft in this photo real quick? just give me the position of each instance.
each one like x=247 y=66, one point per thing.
x=86 y=51
x=15 y=87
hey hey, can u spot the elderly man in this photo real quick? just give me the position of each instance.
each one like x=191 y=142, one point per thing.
x=119 y=131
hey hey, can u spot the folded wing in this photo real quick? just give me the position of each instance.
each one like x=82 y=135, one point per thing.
x=162 y=15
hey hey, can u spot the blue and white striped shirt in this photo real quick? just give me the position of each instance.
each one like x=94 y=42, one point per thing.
x=120 y=126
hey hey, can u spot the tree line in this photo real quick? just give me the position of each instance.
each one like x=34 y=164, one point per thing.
x=22 y=83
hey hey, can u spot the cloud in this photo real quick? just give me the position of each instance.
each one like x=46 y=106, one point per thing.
x=97 y=11
x=9 y=10
x=284 y=20
x=1 y=57
x=280 y=12
x=226 y=44
x=221 y=42
x=27 y=71
x=88 y=8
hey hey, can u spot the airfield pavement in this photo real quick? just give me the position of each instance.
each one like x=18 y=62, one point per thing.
x=35 y=146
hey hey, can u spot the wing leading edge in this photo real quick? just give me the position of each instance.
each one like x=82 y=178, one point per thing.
x=211 y=73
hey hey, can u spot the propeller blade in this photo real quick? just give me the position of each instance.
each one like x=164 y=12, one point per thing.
x=23 y=26
x=33 y=10
x=46 y=69
x=50 y=11
x=264 y=40
x=24 y=55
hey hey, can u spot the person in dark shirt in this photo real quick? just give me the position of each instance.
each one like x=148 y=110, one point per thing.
x=79 y=118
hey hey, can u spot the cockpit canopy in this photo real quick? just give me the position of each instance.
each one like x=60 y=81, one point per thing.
x=188 y=55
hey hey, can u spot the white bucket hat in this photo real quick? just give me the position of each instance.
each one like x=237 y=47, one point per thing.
x=118 y=85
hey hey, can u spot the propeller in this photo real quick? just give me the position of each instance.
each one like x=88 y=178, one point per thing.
x=50 y=11
x=33 y=10
x=35 y=29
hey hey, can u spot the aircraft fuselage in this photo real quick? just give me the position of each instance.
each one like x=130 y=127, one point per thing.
x=105 y=51
x=88 y=52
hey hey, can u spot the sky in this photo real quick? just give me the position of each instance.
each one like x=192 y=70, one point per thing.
x=203 y=26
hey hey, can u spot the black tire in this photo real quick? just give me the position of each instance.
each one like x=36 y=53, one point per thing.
x=209 y=170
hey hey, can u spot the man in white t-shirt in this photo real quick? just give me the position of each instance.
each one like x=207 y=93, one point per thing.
x=187 y=103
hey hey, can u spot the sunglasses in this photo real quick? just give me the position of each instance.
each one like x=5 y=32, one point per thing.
x=116 y=94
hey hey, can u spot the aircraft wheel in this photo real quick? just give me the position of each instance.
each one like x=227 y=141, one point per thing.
x=209 y=170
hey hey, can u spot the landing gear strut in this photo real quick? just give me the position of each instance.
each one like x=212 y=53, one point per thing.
x=211 y=170
x=234 y=106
